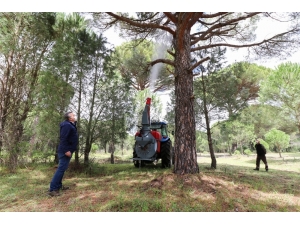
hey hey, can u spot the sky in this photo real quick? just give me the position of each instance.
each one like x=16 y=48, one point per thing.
x=147 y=6
x=158 y=5
x=265 y=29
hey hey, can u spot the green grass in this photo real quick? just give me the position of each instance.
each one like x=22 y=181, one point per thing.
x=233 y=186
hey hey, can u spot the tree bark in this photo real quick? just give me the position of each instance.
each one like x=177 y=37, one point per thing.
x=208 y=130
x=279 y=151
x=105 y=148
x=211 y=149
x=87 y=150
x=112 y=152
x=185 y=133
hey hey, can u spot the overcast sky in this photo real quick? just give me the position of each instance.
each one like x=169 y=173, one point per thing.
x=147 y=6
x=265 y=29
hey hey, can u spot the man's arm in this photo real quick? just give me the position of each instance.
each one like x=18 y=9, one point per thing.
x=263 y=148
x=64 y=134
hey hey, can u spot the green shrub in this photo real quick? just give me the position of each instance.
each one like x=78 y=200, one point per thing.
x=293 y=149
x=247 y=152
x=94 y=148
x=42 y=156
x=265 y=144
x=237 y=152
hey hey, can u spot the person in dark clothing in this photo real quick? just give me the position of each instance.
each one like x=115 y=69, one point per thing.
x=261 y=155
x=68 y=145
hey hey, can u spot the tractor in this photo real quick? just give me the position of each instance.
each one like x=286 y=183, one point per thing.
x=152 y=142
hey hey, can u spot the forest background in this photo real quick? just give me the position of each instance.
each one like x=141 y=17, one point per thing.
x=287 y=127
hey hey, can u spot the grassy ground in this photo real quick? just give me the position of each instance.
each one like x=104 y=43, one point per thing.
x=233 y=187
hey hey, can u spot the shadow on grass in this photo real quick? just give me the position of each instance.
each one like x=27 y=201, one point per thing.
x=122 y=187
x=285 y=182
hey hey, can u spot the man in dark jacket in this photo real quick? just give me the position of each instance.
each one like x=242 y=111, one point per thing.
x=261 y=155
x=68 y=145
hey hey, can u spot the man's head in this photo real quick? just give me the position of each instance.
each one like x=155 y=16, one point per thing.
x=257 y=141
x=70 y=116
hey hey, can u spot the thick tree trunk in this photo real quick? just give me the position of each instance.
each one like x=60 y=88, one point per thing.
x=185 y=134
x=13 y=137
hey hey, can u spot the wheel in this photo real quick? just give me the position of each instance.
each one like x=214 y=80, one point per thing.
x=165 y=150
x=137 y=165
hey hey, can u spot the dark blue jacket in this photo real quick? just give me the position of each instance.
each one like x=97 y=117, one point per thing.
x=260 y=149
x=68 y=137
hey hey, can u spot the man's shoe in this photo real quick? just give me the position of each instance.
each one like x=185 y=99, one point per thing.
x=54 y=193
x=256 y=169
x=63 y=188
x=267 y=169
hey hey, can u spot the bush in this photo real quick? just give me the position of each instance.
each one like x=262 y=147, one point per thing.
x=292 y=149
x=237 y=152
x=247 y=152
x=94 y=148
x=265 y=144
x=42 y=156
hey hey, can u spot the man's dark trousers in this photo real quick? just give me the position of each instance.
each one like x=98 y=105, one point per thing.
x=63 y=164
x=261 y=157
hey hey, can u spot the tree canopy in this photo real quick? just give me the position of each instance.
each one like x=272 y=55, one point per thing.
x=277 y=139
x=189 y=32
x=55 y=62
x=281 y=89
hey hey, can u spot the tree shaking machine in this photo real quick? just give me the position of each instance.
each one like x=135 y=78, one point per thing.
x=152 y=142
